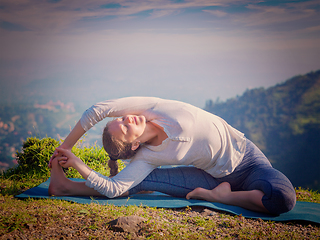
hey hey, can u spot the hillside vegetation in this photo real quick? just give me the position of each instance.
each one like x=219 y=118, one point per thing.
x=21 y=120
x=284 y=121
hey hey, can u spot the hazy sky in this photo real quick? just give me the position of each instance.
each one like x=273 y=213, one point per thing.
x=91 y=50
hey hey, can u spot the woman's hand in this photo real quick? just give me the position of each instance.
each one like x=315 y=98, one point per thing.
x=61 y=159
x=67 y=159
x=55 y=154
x=70 y=140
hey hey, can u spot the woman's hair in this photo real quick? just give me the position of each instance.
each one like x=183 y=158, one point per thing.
x=116 y=149
x=113 y=165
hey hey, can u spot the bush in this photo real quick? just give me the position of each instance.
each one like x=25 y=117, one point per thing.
x=34 y=157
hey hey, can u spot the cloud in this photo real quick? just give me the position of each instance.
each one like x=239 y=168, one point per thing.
x=57 y=16
x=111 y=5
x=264 y=15
x=312 y=29
x=217 y=13
x=12 y=27
x=162 y=13
x=202 y=48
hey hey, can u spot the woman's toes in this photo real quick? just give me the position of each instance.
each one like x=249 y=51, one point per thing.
x=198 y=193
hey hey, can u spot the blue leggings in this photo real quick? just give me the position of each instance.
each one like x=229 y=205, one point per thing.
x=254 y=172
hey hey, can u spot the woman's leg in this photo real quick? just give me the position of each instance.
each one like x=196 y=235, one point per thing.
x=60 y=185
x=251 y=200
x=176 y=181
x=279 y=194
x=255 y=185
x=191 y=182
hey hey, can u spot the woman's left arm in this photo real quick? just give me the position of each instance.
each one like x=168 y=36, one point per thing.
x=129 y=177
x=126 y=179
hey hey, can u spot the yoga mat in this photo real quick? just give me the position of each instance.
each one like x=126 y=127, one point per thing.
x=303 y=211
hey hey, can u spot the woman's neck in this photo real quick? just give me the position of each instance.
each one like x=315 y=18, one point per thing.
x=156 y=134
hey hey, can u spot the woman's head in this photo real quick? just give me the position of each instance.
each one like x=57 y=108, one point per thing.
x=121 y=136
x=116 y=148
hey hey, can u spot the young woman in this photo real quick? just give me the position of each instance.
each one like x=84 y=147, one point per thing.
x=152 y=132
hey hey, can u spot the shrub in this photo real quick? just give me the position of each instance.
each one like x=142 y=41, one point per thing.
x=34 y=157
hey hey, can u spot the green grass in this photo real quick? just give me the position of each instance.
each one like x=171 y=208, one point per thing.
x=33 y=164
x=48 y=218
x=307 y=195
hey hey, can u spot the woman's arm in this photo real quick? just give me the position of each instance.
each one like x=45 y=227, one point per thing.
x=129 y=177
x=116 y=108
x=75 y=134
x=109 y=108
x=67 y=159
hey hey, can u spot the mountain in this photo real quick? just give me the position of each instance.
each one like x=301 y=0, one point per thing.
x=284 y=121
x=20 y=120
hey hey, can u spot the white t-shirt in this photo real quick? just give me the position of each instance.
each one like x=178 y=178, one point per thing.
x=195 y=137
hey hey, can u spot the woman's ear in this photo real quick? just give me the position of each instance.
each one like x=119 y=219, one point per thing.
x=135 y=145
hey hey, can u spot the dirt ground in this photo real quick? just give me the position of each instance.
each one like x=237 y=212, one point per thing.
x=195 y=223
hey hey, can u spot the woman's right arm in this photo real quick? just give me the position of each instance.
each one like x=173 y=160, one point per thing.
x=75 y=134
x=109 y=108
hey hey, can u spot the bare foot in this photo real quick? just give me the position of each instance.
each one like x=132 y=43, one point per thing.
x=218 y=194
x=58 y=180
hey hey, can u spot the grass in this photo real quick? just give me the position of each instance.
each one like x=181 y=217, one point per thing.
x=48 y=218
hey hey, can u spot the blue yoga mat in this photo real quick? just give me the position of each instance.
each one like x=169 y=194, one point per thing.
x=303 y=211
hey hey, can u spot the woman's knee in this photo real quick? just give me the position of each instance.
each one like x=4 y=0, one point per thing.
x=279 y=198
x=279 y=194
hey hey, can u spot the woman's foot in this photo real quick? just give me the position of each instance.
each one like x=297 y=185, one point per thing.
x=60 y=185
x=251 y=200
x=58 y=180
x=219 y=194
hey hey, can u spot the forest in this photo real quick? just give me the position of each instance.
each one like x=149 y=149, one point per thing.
x=284 y=121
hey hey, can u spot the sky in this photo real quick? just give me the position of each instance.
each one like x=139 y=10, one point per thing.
x=87 y=51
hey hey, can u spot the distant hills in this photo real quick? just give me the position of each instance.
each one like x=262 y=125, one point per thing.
x=21 y=120
x=284 y=121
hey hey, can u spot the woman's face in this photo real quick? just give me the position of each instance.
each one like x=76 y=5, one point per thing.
x=128 y=128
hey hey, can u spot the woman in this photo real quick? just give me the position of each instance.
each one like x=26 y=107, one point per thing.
x=227 y=167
